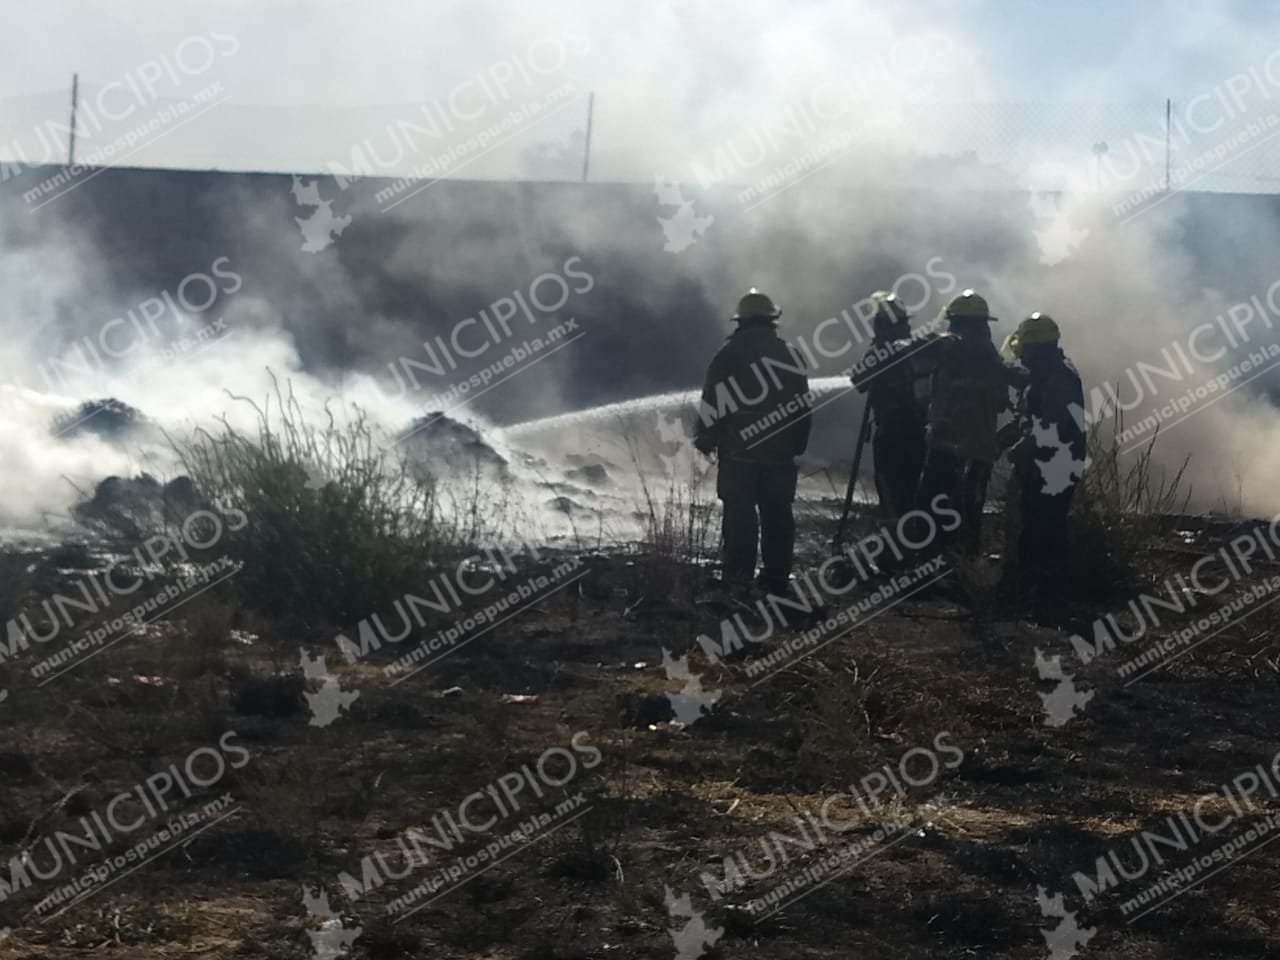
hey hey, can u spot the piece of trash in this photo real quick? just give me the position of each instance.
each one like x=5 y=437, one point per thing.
x=667 y=726
x=151 y=631
x=152 y=681
x=451 y=692
x=244 y=636
x=891 y=737
x=641 y=665
x=113 y=681
x=518 y=698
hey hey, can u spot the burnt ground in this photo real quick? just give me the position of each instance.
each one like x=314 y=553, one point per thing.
x=1029 y=805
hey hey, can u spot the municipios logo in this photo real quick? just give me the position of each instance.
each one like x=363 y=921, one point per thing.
x=1061 y=705
x=681 y=226
x=683 y=464
x=694 y=938
x=320 y=467
x=314 y=479
x=328 y=703
x=333 y=938
x=322 y=228
x=691 y=702
x=1058 y=241
x=1062 y=469
x=1068 y=937
x=1056 y=237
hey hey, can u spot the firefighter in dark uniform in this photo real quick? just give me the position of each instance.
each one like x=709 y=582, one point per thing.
x=1047 y=450
x=968 y=389
x=885 y=374
x=755 y=413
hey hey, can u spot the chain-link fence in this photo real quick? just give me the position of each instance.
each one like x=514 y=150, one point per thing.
x=1205 y=144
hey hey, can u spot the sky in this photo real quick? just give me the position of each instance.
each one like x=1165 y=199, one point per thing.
x=299 y=83
x=953 y=95
x=385 y=51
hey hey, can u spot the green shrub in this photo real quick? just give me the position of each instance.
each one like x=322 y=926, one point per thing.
x=340 y=521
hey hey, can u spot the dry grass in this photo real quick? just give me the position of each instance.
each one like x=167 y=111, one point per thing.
x=677 y=513
x=1026 y=806
x=340 y=521
x=1123 y=497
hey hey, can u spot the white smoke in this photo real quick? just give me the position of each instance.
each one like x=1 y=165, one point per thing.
x=676 y=83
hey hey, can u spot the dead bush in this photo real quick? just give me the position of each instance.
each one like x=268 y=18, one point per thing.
x=338 y=521
x=1124 y=495
x=677 y=515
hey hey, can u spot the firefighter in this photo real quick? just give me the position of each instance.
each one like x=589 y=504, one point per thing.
x=755 y=413
x=1050 y=415
x=968 y=388
x=886 y=376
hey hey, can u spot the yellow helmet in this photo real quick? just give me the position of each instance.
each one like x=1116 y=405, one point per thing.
x=1037 y=328
x=967 y=305
x=757 y=304
x=890 y=305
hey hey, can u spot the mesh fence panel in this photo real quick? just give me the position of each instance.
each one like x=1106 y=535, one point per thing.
x=1117 y=146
